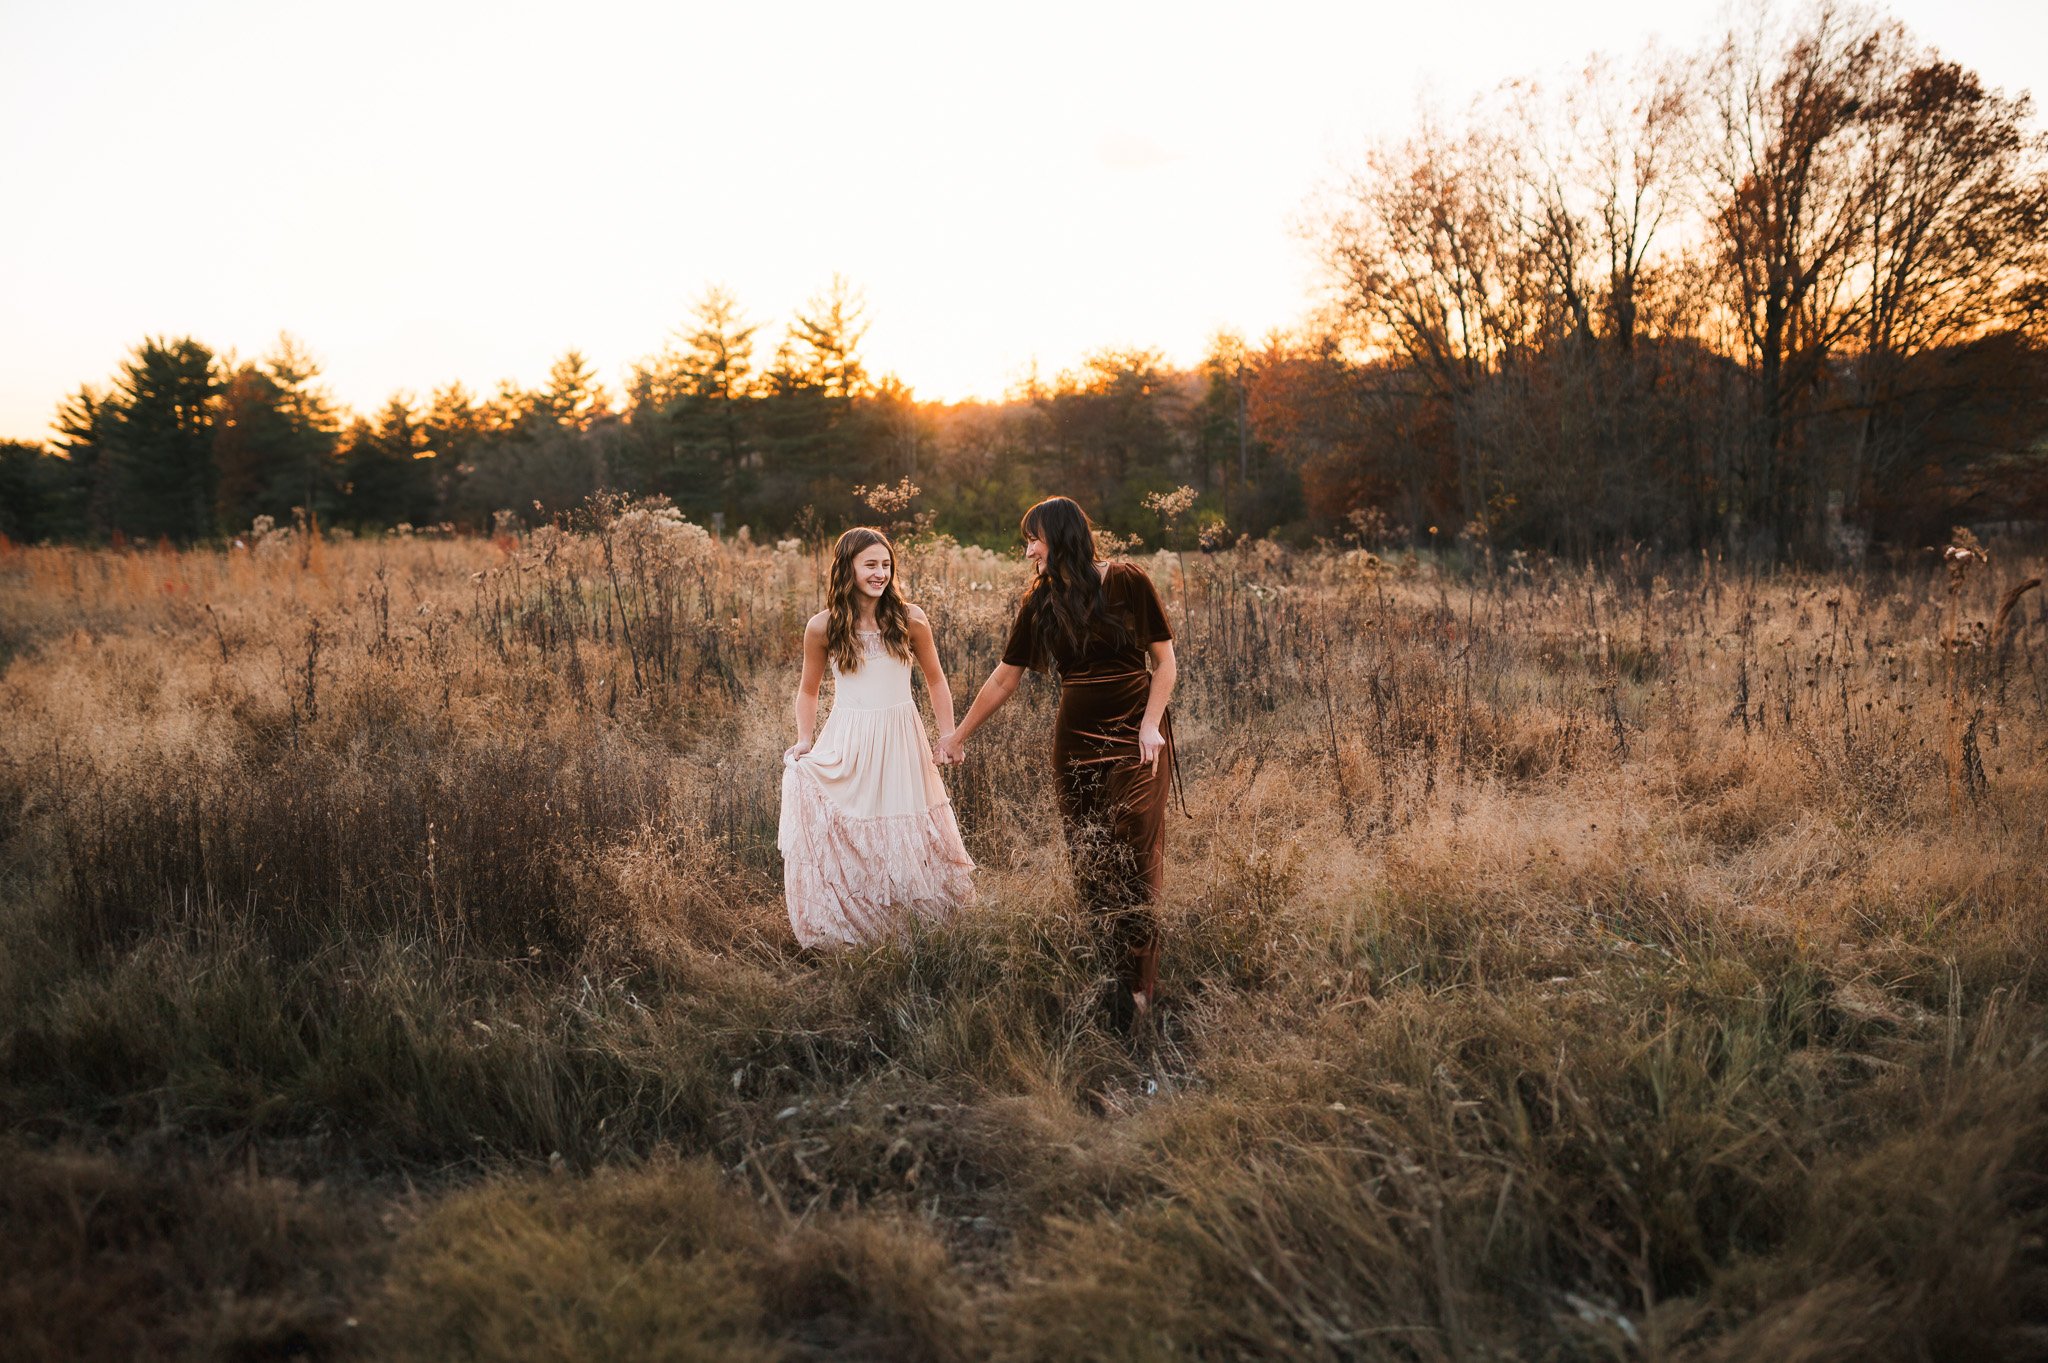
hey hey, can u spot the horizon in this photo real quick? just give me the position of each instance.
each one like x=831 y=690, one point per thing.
x=993 y=229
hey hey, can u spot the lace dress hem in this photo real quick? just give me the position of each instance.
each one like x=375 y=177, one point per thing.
x=854 y=878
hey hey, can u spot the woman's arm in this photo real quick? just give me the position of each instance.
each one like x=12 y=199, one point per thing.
x=999 y=687
x=807 y=689
x=927 y=650
x=1150 y=743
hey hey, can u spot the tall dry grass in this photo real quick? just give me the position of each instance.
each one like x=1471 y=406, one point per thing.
x=1639 y=962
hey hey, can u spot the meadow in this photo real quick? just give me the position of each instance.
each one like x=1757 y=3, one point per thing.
x=1637 y=961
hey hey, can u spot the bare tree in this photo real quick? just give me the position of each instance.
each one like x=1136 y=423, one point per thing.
x=1955 y=229
x=1780 y=166
x=1431 y=267
x=1600 y=170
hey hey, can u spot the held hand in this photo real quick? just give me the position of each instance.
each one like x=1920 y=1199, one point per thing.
x=951 y=750
x=1150 y=745
x=796 y=750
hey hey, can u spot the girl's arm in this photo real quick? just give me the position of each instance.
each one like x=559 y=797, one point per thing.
x=1001 y=684
x=1150 y=743
x=807 y=689
x=927 y=651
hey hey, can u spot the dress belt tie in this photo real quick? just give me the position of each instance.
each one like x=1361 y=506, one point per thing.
x=1165 y=725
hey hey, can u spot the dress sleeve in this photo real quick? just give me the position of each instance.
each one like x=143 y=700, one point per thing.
x=1148 y=617
x=1018 y=651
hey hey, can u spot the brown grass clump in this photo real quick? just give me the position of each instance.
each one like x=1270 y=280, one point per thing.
x=107 y=1258
x=647 y=1262
x=1559 y=964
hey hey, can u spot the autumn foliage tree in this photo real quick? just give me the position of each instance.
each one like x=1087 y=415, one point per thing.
x=1726 y=299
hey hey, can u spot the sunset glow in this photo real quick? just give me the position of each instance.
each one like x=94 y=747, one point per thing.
x=429 y=193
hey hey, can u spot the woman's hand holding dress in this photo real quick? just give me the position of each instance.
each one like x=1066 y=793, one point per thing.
x=1150 y=744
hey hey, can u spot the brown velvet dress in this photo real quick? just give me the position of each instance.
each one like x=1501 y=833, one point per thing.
x=1112 y=805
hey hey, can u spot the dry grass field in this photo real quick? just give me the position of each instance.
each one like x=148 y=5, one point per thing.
x=1634 y=964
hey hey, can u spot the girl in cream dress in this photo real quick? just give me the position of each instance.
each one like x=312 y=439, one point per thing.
x=867 y=833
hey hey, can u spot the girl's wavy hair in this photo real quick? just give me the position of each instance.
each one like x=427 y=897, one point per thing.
x=892 y=616
x=1066 y=600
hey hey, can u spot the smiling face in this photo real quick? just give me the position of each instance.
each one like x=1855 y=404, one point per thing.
x=864 y=598
x=872 y=569
x=1058 y=539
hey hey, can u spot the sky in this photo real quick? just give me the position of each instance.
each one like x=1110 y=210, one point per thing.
x=426 y=192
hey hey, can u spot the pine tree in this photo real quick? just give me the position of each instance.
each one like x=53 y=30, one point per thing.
x=455 y=433
x=387 y=468
x=86 y=502
x=712 y=420
x=25 y=487
x=161 y=440
x=573 y=399
x=826 y=339
x=274 y=441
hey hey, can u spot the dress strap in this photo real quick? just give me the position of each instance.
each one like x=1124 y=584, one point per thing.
x=1173 y=759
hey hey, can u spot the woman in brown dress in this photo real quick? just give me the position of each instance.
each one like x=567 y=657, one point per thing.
x=1096 y=625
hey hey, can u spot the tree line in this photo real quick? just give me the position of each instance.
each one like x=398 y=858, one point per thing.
x=1781 y=296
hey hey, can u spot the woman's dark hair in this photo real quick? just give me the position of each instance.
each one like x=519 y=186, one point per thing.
x=842 y=605
x=1066 y=601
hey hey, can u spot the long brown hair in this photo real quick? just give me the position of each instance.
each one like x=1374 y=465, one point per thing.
x=842 y=618
x=1067 y=598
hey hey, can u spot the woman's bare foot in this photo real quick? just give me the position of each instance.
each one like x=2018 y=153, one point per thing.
x=1141 y=1012
x=1124 y=1008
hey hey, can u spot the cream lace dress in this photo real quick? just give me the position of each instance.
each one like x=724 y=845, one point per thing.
x=867 y=829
